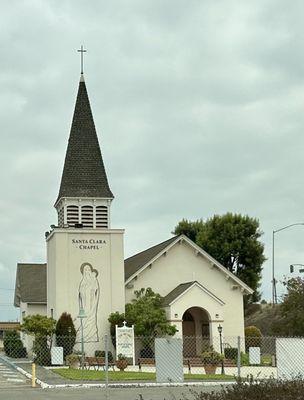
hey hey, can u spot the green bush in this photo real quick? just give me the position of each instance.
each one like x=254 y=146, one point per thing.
x=41 y=350
x=13 y=346
x=253 y=337
x=231 y=353
x=244 y=359
x=101 y=353
x=262 y=390
x=65 y=333
x=211 y=357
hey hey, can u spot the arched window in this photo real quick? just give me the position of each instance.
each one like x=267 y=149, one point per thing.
x=101 y=217
x=87 y=216
x=72 y=215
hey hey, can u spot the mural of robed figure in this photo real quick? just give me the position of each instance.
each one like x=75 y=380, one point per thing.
x=88 y=299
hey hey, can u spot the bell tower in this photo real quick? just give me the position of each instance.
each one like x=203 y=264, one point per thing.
x=84 y=198
x=85 y=256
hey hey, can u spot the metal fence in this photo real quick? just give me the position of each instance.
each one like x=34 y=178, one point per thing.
x=61 y=360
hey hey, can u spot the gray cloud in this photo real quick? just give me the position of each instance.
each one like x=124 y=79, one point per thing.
x=198 y=106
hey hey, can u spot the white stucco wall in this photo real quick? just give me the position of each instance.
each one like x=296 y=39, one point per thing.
x=67 y=250
x=182 y=264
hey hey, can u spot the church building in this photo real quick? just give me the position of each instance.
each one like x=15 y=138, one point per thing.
x=85 y=270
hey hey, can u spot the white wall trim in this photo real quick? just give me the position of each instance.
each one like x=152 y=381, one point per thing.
x=203 y=289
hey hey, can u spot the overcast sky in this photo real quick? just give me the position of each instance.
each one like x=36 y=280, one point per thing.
x=198 y=107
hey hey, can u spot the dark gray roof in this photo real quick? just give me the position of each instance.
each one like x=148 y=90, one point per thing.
x=134 y=263
x=83 y=174
x=167 y=300
x=30 y=284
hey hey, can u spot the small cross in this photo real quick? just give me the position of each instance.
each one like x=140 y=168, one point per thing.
x=81 y=50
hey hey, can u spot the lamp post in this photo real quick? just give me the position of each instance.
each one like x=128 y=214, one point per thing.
x=81 y=316
x=220 y=330
x=274 y=289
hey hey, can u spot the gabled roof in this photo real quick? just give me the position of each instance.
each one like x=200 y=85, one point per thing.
x=83 y=174
x=136 y=262
x=182 y=288
x=30 y=284
x=139 y=262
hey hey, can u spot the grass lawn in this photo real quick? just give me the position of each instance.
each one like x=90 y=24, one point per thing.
x=77 y=374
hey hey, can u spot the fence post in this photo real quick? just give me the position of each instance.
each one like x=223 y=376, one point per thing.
x=33 y=375
x=107 y=364
x=239 y=356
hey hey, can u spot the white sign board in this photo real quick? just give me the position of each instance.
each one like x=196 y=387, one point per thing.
x=254 y=355
x=169 y=360
x=57 y=355
x=289 y=352
x=125 y=341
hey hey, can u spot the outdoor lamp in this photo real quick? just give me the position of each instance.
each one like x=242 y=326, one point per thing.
x=220 y=329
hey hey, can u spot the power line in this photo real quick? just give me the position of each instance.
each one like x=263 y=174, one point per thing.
x=5 y=289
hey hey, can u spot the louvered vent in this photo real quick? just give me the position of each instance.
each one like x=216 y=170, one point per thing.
x=72 y=215
x=61 y=218
x=87 y=216
x=101 y=217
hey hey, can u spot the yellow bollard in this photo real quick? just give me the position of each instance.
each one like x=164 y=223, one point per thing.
x=33 y=375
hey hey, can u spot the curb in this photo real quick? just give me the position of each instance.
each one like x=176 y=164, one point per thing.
x=22 y=371
x=45 y=385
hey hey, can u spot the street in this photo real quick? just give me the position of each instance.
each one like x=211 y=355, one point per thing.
x=157 y=393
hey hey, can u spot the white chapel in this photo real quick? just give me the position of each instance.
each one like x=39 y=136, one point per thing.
x=85 y=266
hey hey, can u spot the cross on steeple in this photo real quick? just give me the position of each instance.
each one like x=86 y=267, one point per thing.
x=81 y=51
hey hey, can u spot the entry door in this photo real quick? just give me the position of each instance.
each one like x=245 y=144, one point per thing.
x=189 y=338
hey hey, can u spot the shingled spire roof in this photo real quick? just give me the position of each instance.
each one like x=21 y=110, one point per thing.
x=83 y=174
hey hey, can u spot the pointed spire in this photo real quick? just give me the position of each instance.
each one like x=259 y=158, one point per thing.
x=83 y=173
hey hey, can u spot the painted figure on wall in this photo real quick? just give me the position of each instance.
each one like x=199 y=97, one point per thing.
x=88 y=299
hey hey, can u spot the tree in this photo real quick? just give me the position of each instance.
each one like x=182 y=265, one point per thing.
x=13 y=345
x=233 y=240
x=291 y=310
x=65 y=333
x=145 y=312
x=189 y=228
x=115 y=318
x=38 y=325
x=42 y=328
x=253 y=337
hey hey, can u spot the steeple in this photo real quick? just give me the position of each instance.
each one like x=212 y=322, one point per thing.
x=84 y=181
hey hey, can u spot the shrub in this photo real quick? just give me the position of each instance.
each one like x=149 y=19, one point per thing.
x=146 y=352
x=211 y=357
x=72 y=360
x=101 y=353
x=253 y=337
x=231 y=353
x=13 y=345
x=41 y=351
x=65 y=333
x=265 y=390
x=244 y=359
